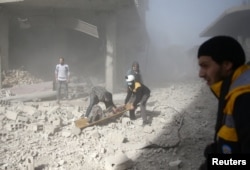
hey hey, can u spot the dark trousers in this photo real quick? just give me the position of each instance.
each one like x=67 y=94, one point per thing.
x=143 y=103
x=93 y=100
x=59 y=89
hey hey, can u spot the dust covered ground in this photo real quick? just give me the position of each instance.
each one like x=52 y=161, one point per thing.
x=42 y=134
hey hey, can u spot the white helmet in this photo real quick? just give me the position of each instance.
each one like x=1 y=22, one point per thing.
x=130 y=78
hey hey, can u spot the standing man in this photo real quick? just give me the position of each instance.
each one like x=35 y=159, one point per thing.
x=62 y=78
x=221 y=60
x=137 y=93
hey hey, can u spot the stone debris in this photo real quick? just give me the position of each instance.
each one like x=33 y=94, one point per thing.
x=119 y=161
x=11 y=115
x=6 y=93
x=175 y=164
x=18 y=77
x=42 y=135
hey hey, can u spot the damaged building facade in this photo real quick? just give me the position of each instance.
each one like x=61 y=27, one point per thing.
x=97 y=38
x=233 y=22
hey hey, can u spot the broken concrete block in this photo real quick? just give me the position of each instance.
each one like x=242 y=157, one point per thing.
x=76 y=131
x=11 y=115
x=116 y=138
x=30 y=163
x=22 y=119
x=175 y=164
x=2 y=117
x=36 y=127
x=55 y=121
x=126 y=121
x=119 y=161
x=66 y=134
x=3 y=135
x=2 y=109
x=148 y=129
x=50 y=129
x=27 y=109
x=53 y=110
x=14 y=126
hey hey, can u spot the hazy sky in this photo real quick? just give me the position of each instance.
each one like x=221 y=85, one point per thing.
x=181 y=21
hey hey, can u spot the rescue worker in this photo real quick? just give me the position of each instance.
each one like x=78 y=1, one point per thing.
x=221 y=60
x=100 y=94
x=136 y=93
x=135 y=70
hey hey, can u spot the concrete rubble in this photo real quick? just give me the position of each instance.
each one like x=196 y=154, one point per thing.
x=18 y=77
x=42 y=135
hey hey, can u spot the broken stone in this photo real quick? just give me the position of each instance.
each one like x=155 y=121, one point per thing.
x=22 y=119
x=119 y=161
x=116 y=138
x=15 y=126
x=2 y=109
x=174 y=164
x=55 y=121
x=50 y=129
x=53 y=110
x=76 y=131
x=66 y=134
x=27 y=109
x=36 y=127
x=11 y=115
x=148 y=129
x=126 y=121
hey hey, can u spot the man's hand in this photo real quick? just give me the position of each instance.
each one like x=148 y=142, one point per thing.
x=129 y=106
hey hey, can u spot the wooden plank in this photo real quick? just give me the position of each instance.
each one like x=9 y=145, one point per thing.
x=83 y=122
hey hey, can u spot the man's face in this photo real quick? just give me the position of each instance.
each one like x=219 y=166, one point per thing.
x=211 y=71
x=135 y=67
x=61 y=61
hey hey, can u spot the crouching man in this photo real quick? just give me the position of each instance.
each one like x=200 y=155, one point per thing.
x=136 y=93
x=100 y=94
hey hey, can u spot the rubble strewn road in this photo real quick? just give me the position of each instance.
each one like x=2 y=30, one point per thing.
x=42 y=135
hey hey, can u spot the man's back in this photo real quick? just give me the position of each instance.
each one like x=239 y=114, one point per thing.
x=100 y=92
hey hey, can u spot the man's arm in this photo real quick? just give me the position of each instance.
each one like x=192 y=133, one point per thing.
x=242 y=121
x=129 y=93
x=68 y=73
x=56 y=72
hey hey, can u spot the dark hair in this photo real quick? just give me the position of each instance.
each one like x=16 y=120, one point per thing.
x=135 y=63
x=223 y=48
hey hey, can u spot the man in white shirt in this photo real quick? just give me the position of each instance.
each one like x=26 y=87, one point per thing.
x=62 y=78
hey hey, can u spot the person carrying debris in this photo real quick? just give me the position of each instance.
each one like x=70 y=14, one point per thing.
x=100 y=94
x=62 y=78
x=221 y=60
x=135 y=70
x=136 y=93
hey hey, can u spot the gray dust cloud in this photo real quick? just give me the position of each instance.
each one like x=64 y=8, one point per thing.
x=37 y=40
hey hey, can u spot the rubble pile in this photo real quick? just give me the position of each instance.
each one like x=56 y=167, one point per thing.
x=42 y=135
x=18 y=77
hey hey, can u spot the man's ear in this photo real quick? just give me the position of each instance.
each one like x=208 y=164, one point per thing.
x=227 y=66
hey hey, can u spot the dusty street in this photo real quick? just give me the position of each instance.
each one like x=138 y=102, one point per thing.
x=181 y=116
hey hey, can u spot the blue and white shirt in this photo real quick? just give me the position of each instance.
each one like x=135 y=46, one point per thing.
x=62 y=72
